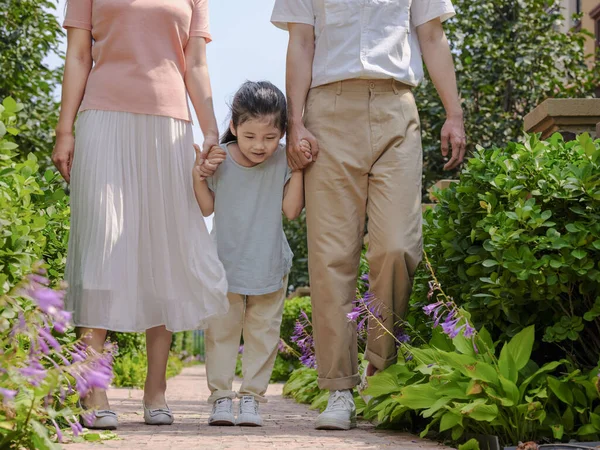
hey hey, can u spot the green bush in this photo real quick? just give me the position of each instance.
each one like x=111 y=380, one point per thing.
x=457 y=387
x=510 y=56
x=517 y=242
x=130 y=369
x=33 y=209
x=295 y=231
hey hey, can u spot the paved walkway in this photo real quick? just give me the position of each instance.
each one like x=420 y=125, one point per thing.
x=288 y=425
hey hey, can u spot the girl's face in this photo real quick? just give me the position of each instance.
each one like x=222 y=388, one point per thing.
x=258 y=139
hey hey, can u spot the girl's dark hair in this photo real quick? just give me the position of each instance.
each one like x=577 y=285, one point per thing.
x=255 y=100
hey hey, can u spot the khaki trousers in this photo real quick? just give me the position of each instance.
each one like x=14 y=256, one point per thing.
x=369 y=164
x=258 y=318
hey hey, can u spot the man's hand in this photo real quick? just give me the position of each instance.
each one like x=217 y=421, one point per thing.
x=302 y=147
x=453 y=134
x=206 y=164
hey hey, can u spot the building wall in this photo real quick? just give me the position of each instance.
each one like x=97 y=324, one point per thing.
x=587 y=22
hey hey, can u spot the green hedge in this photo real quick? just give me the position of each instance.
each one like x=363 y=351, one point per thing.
x=517 y=242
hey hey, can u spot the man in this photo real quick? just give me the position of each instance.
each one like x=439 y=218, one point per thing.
x=351 y=65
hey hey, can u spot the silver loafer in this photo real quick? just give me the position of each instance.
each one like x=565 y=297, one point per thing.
x=101 y=419
x=158 y=416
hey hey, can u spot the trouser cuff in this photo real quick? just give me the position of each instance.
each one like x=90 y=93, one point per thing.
x=258 y=398
x=216 y=395
x=379 y=362
x=339 y=384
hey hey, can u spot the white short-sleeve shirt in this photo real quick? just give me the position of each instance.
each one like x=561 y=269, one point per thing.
x=364 y=38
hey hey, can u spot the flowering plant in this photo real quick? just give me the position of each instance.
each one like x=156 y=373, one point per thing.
x=40 y=377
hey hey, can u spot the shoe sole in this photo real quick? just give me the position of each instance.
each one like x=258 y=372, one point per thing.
x=249 y=424
x=221 y=423
x=332 y=424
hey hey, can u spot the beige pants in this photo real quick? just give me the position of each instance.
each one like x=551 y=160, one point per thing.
x=258 y=317
x=370 y=164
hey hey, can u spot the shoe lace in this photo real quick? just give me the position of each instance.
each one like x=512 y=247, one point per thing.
x=339 y=401
x=248 y=405
x=222 y=405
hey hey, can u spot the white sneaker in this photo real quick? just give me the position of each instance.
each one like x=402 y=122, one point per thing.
x=340 y=413
x=249 y=416
x=222 y=413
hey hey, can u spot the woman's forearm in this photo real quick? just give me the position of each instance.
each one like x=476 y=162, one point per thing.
x=78 y=65
x=197 y=81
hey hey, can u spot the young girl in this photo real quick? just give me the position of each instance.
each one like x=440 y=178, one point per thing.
x=247 y=194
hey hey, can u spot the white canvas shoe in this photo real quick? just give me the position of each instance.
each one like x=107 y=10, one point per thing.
x=340 y=413
x=249 y=416
x=222 y=413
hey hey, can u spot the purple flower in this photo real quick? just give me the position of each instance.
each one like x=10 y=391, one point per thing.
x=76 y=427
x=34 y=373
x=46 y=335
x=469 y=331
x=401 y=335
x=241 y=349
x=365 y=278
x=8 y=395
x=432 y=308
x=354 y=315
x=59 y=435
x=48 y=300
x=450 y=328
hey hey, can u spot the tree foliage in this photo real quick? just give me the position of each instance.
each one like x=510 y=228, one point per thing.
x=29 y=34
x=509 y=56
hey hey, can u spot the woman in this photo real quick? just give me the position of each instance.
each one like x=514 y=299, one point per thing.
x=140 y=257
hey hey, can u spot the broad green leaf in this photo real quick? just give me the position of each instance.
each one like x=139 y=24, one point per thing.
x=383 y=383
x=586 y=430
x=507 y=366
x=449 y=420
x=595 y=419
x=480 y=412
x=10 y=105
x=510 y=390
x=482 y=371
x=520 y=347
x=417 y=396
x=558 y=431
x=2 y=129
x=471 y=444
x=561 y=390
x=549 y=367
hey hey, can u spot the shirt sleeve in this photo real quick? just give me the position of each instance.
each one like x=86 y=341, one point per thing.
x=200 y=20
x=422 y=11
x=212 y=182
x=79 y=14
x=288 y=174
x=292 y=11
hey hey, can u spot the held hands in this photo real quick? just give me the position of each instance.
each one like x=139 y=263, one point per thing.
x=62 y=155
x=208 y=161
x=453 y=133
x=302 y=147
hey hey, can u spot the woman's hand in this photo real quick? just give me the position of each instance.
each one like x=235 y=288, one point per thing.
x=62 y=155
x=299 y=154
x=207 y=162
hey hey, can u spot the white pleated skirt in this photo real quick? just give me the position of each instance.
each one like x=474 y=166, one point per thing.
x=140 y=255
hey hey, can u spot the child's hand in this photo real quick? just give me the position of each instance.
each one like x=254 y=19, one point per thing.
x=205 y=167
x=306 y=148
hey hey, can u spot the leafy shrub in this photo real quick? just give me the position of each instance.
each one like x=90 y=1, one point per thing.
x=29 y=34
x=130 y=369
x=295 y=231
x=291 y=312
x=509 y=57
x=517 y=242
x=33 y=209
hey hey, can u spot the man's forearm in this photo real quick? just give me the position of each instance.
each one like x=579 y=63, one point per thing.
x=299 y=75
x=438 y=58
